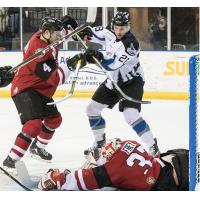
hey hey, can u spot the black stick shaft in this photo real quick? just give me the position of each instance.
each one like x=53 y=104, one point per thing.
x=15 y=180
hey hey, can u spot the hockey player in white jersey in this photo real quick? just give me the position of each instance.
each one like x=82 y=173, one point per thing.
x=121 y=61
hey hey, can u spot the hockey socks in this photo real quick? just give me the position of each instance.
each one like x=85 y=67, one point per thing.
x=97 y=124
x=20 y=147
x=45 y=136
x=143 y=131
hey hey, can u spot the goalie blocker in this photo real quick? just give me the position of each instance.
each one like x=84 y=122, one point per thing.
x=120 y=166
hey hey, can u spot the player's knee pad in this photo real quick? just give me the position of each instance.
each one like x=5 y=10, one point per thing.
x=32 y=127
x=53 y=122
x=95 y=108
x=131 y=115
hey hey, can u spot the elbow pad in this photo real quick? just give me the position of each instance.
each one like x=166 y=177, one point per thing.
x=45 y=69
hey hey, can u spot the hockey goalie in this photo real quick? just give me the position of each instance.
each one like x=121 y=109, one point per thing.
x=124 y=165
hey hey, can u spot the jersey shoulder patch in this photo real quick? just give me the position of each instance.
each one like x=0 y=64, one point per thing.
x=128 y=147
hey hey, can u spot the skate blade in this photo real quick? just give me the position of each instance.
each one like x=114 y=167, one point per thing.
x=36 y=157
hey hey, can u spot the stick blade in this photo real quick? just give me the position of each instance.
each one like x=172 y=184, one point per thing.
x=24 y=176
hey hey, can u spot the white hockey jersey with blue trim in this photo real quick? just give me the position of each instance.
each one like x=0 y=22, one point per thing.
x=121 y=58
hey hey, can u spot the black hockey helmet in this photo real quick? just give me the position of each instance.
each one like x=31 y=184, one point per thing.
x=68 y=20
x=121 y=19
x=51 y=24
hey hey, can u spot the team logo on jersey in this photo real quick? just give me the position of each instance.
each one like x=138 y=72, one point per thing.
x=131 y=50
x=150 y=180
x=128 y=147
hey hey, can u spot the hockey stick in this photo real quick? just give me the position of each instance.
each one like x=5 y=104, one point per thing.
x=42 y=52
x=92 y=12
x=24 y=176
x=117 y=87
x=71 y=91
x=15 y=180
x=110 y=78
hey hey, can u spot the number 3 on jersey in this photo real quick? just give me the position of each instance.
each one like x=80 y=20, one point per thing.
x=135 y=156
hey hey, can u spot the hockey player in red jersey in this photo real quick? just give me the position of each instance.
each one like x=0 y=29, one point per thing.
x=33 y=87
x=124 y=166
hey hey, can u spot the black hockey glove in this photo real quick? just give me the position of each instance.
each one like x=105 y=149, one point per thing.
x=89 y=53
x=72 y=62
x=5 y=76
x=86 y=32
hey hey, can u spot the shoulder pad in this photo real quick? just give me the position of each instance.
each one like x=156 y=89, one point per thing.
x=131 y=44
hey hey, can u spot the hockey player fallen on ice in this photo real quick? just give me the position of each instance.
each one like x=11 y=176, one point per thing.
x=124 y=166
x=5 y=76
x=121 y=61
x=33 y=87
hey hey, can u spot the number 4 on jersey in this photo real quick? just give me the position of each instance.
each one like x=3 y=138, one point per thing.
x=46 y=68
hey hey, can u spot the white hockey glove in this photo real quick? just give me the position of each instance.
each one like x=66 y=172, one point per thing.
x=53 y=180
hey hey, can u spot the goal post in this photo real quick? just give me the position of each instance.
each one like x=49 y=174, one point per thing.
x=194 y=121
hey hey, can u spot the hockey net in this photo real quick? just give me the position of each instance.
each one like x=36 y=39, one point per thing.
x=194 y=115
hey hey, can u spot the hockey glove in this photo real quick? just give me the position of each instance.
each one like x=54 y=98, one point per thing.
x=87 y=32
x=90 y=53
x=72 y=62
x=53 y=180
x=5 y=77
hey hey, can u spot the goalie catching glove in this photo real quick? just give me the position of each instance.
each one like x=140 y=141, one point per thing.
x=53 y=180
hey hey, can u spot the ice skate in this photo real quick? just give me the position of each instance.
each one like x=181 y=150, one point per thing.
x=9 y=165
x=95 y=150
x=39 y=153
x=154 y=150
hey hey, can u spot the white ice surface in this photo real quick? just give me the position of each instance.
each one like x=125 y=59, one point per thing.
x=167 y=119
